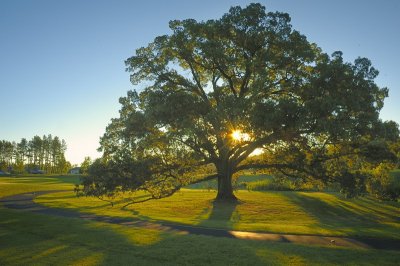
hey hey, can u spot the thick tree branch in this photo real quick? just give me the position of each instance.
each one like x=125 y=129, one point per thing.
x=180 y=81
x=198 y=83
x=243 y=152
x=245 y=82
x=229 y=79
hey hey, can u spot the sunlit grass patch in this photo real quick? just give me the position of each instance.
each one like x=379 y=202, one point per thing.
x=137 y=236
x=279 y=212
x=34 y=239
x=187 y=206
x=16 y=185
x=42 y=240
x=280 y=257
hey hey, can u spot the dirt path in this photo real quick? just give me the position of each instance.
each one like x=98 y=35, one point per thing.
x=26 y=202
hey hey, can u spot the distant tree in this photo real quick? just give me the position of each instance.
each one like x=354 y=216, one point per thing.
x=6 y=154
x=22 y=147
x=36 y=145
x=9 y=152
x=58 y=148
x=218 y=92
x=86 y=164
x=45 y=153
x=46 y=164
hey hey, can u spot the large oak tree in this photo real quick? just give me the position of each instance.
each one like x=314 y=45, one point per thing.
x=218 y=92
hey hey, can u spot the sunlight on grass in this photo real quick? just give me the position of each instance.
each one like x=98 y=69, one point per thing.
x=280 y=212
x=281 y=258
x=49 y=251
x=93 y=259
x=135 y=235
x=359 y=206
x=283 y=212
x=16 y=185
x=272 y=211
x=358 y=217
x=40 y=239
x=186 y=206
x=34 y=239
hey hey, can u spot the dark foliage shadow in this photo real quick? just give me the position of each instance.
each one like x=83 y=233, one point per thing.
x=220 y=214
x=341 y=215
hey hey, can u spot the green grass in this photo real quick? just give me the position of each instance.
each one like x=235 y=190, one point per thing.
x=279 y=212
x=29 y=239
x=268 y=185
x=34 y=239
x=259 y=182
x=28 y=183
x=396 y=172
x=241 y=182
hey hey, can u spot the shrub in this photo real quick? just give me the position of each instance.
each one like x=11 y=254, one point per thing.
x=269 y=184
x=384 y=184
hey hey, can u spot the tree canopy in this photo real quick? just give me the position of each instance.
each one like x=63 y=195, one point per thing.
x=243 y=92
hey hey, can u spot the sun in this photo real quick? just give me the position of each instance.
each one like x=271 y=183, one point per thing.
x=238 y=135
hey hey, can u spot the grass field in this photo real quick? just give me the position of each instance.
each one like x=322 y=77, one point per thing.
x=28 y=183
x=278 y=212
x=27 y=238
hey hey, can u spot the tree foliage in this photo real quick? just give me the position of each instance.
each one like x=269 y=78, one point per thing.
x=87 y=162
x=250 y=74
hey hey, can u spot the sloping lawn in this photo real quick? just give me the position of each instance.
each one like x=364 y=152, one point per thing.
x=279 y=212
x=35 y=239
x=32 y=239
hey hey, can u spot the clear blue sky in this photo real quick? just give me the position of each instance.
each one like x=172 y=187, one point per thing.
x=62 y=62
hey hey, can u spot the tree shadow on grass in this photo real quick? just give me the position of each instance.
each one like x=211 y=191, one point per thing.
x=220 y=215
x=39 y=239
x=45 y=240
x=391 y=210
x=107 y=203
x=216 y=215
x=342 y=216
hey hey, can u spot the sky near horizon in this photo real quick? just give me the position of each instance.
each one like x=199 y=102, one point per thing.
x=62 y=65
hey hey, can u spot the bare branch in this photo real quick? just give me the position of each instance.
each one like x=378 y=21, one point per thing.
x=109 y=201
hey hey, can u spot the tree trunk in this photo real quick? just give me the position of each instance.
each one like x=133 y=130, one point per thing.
x=225 y=189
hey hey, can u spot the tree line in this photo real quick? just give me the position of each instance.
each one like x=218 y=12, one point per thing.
x=45 y=153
